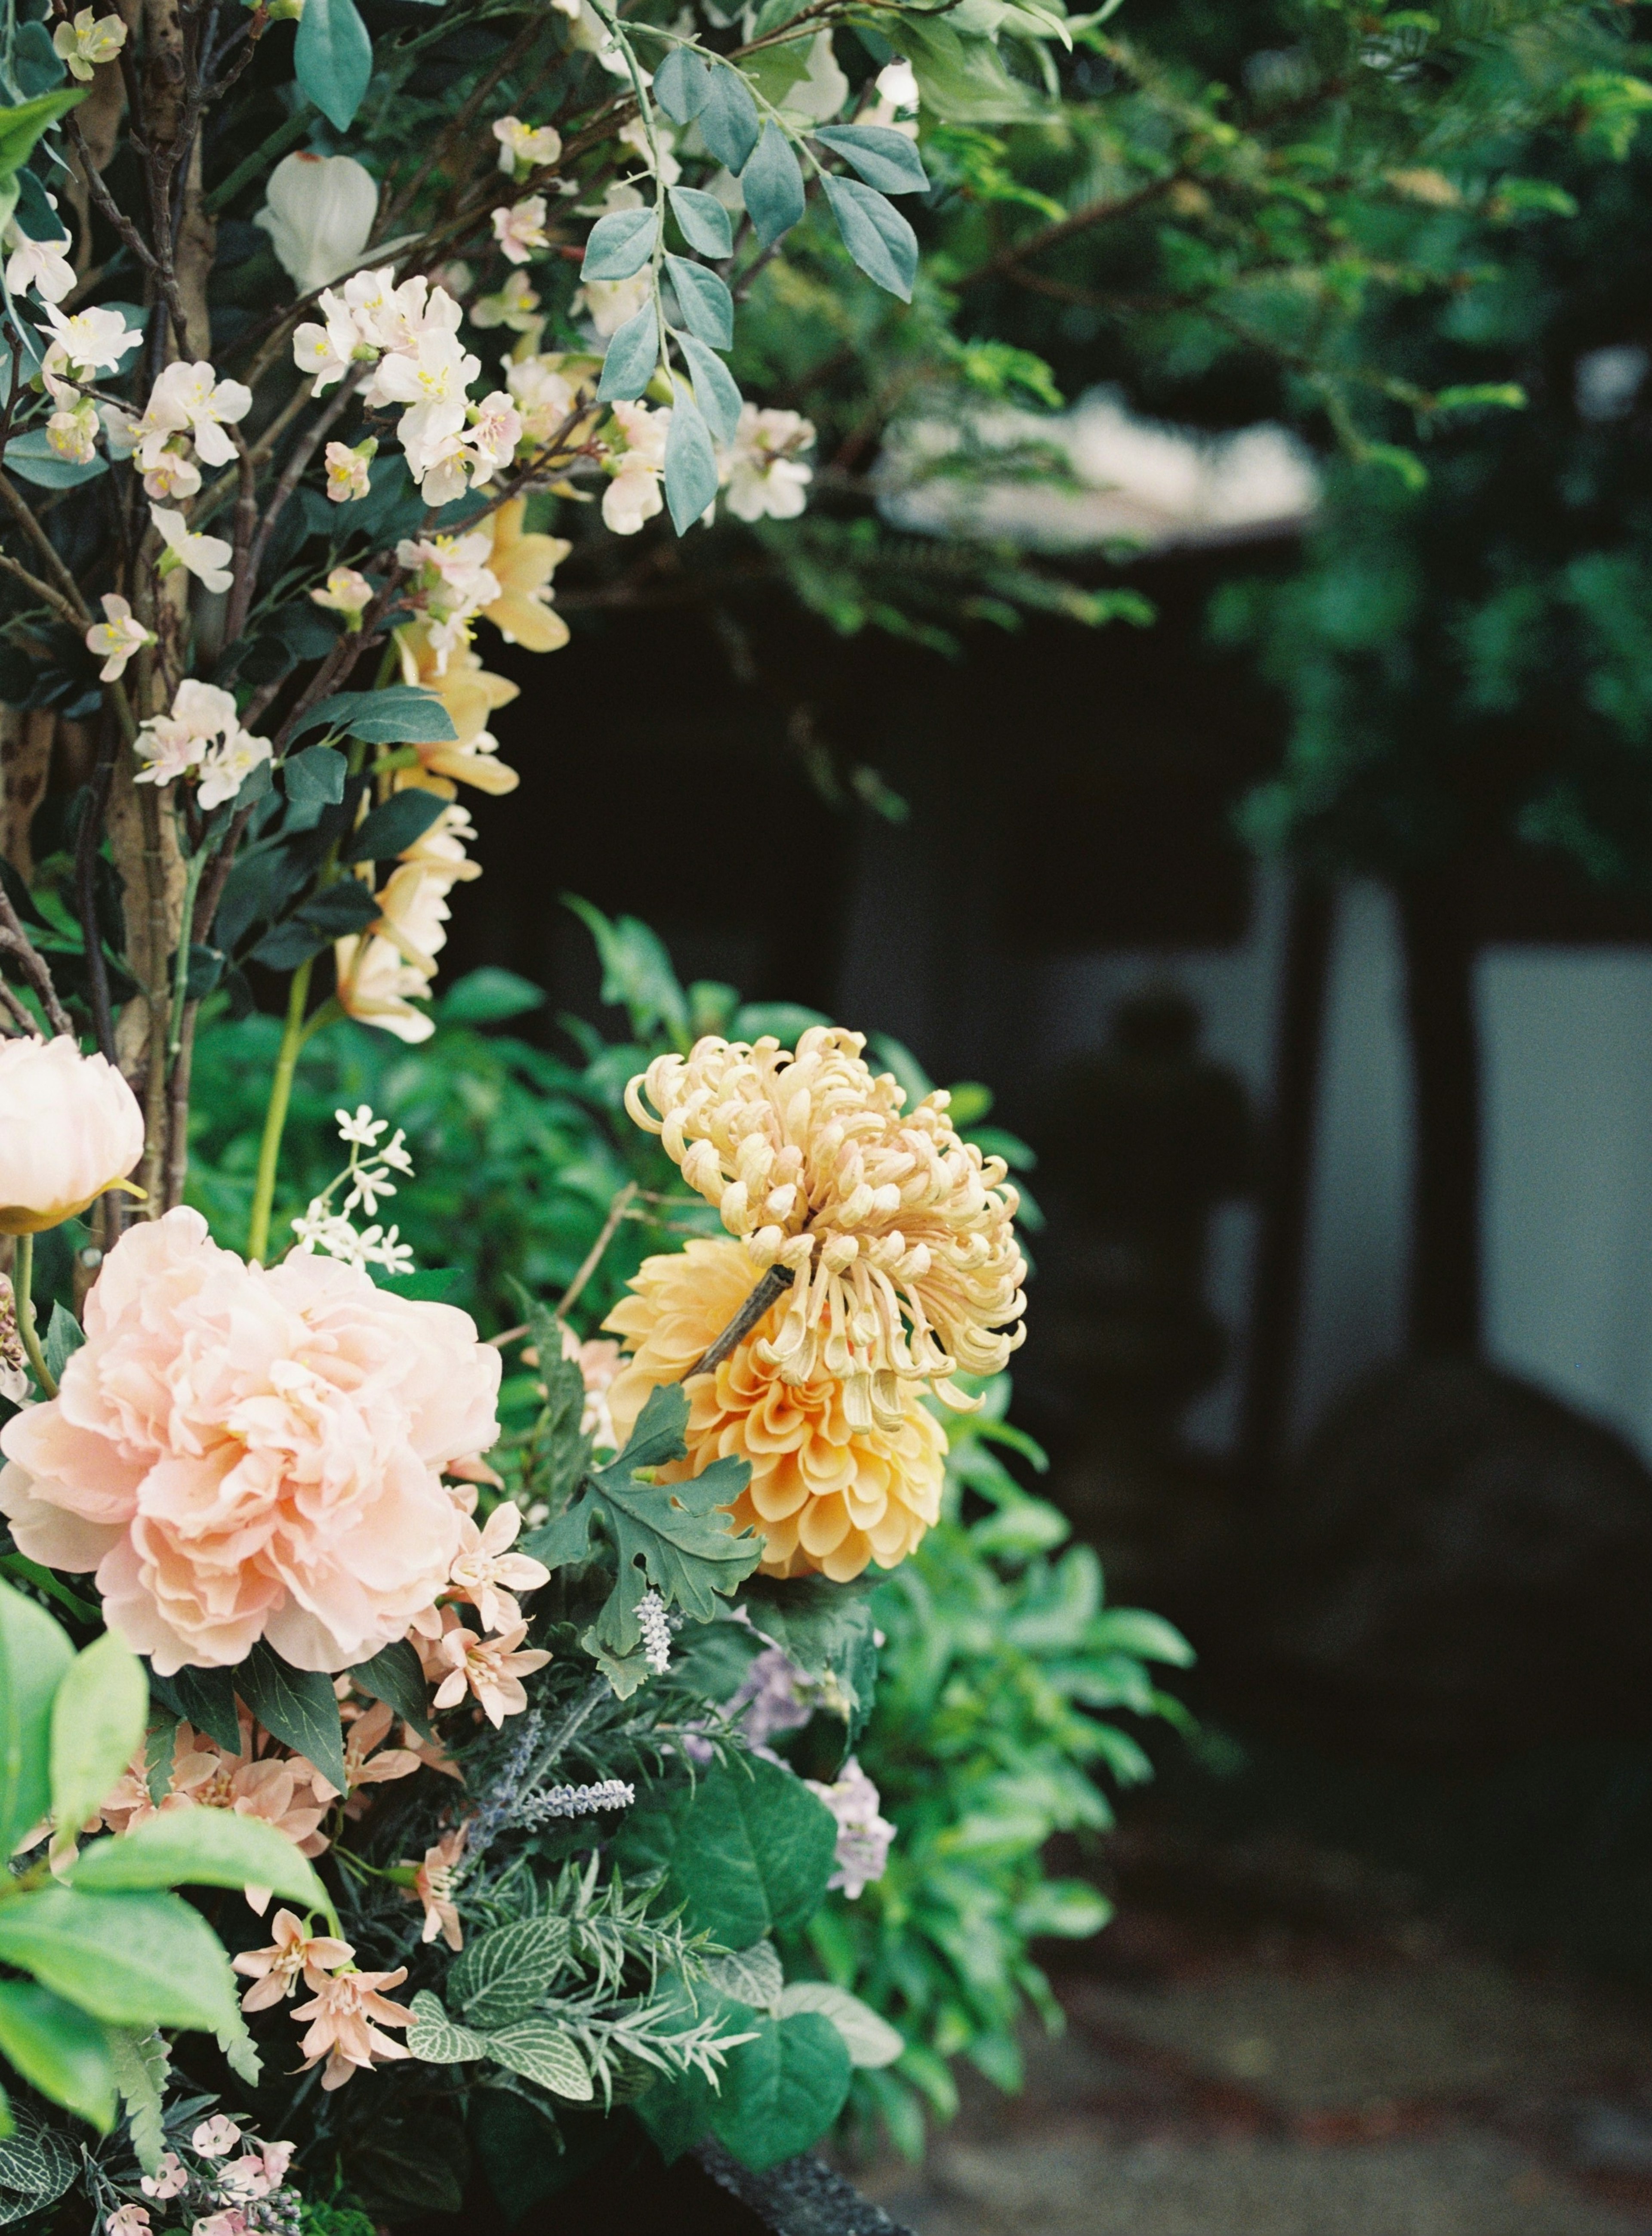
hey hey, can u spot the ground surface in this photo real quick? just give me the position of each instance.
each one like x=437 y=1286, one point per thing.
x=1274 y=2041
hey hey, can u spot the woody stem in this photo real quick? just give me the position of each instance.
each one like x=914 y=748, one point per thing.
x=757 y=1308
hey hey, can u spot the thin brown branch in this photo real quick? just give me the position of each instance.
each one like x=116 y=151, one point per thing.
x=1078 y=220
x=756 y=1309
x=15 y=941
x=302 y=451
x=23 y=514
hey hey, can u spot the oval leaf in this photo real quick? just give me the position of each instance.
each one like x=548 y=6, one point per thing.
x=886 y=159
x=297 y=1705
x=705 y=223
x=691 y=465
x=141 y=1960
x=35 y=1654
x=869 y=2039
x=875 y=234
x=400 y=715
x=706 y=306
x=541 y=2051
x=715 y=391
x=683 y=84
x=333 y=59
x=397 y=824
x=58 y=2050
x=200 y=1847
x=772 y=185
x=620 y=243
x=781 y=2090
x=728 y=119
x=634 y=352
x=33 y=457
x=97 y=1723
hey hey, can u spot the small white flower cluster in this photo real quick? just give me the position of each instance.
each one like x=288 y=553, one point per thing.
x=452 y=582
x=655 y=1626
x=184 y=422
x=335 y=1232
x=410 y=335
x=576 y=1801
x=202 y=738
x=80 y=347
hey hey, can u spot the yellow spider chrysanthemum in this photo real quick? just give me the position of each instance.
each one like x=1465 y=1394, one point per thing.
x=899 y=1236
x=825 y=1495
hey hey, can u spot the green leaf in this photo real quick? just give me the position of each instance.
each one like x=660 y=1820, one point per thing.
x=782 y=2090
x=677 y=2112
x=828 y=1631
x=683 y=85
x=747 y=1850
x=749 y=1976
x=98 y=1720
x=771 y=186
x=200 y=1847
x=32 y=457
x=315 y=777
x=633 y=353
x=298 y=1705
x=333 y=59
x=690 y=463
x=35 y=1654
x=636 y=970
x=705 y=224
x=885 y=158
x=400 y=715
x=963 y=80
x=543 y=2052
x=58 y=2050
x=1069 y=1909
x=139 y=1960
x=715 y=389
x=35 y=2161
x=1136 y=1630
x=64 y=1339
x=502 y=1976
x=728 y=118
x=706 y=306
x=870 y=2041
x=488 y=996
x=206 y=1699
x=619 y=245
x=394 y=824
x=396 y=1674
x=434 y=2037
x=20 y=127
x=143 y=2067
x=875 y=234
x=774 y=15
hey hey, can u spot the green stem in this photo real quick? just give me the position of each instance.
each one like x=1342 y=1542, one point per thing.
x=275 y=1118
x=23 y=1282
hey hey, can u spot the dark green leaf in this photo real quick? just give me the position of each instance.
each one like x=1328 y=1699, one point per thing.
x=875 y=234
x=333 y=59
x=397 y=824
x=782 y=2091
x=747 y=1850
x=715 y=389
x=636 y=969
x=682 y=85
x=333 y=913
x=315 y=778
x=705 y=222
x=429 y=1285
x=64 y=1339
x=885 y=158
x=728 y=118
x=502 y=1976
x=395 y=1674
x=828 y=1631
x=35 y=1653
x=690 y=463
x=619 y=245
x=677 y=2112
x=633 y=353
x=399 y=714
x=961 y=77
x=298 y=1705
x=773 y=14
x=207 y=1698
x=772 y=187
x=488 y=996
x=58 y=2050
x=706 y=306
x=35 y=2161
x=139 y=1960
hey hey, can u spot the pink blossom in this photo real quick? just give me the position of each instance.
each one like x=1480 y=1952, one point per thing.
x=343 y=2030
x=292 y=1956
x=486 y=1574
x=242 y=1453
x=129 y=2221
x=231 y=2222
x=169 y=2178
x=215 y=2137
x=492 y=1669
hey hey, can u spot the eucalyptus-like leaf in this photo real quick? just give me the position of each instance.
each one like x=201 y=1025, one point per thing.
x=691 y=465
x=771 y=186
x=705 y=222
x=875 y=234
x=706 y=306
x=619 y=245
x=633 y=354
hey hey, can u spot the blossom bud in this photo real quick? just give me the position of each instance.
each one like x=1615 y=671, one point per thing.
x=69 y=1127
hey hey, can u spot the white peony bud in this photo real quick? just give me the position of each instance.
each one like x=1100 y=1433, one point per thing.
x=318 y=212
x=69 y=1127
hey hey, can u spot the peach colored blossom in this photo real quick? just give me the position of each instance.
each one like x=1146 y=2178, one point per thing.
x=492 y=1669
x=487 y=1573
x=433 y=1887
x=169 y=2178
x=215 y=2137
x=825 y=1494
x=342 y=2032
x=367 y=1761
x=431 y=1753
x=242 y=1452
x=292 y=1954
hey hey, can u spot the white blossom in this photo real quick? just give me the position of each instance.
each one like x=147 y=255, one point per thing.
x=524 y=148
x=206 y=556
x=633 y=495
x=609 y=303
x=191 y=400
x=347 y=476
x=761 y=470
x=116 y=637
x=319 y=211
x=42 y=265
x=73 y=435
x=85 y=41
x=520 y=230
x=515 y=306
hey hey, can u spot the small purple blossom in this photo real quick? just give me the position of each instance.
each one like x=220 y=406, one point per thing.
x=863 y=1836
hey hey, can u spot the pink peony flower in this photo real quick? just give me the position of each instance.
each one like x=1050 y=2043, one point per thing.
x=243 y=1452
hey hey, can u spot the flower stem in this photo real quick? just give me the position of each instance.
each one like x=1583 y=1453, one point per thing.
x=23 y=1281
x=756 y=1307
x=275 y=1118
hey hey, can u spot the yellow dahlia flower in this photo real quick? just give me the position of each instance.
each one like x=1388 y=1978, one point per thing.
x=899 y=1236
x=825 y=1495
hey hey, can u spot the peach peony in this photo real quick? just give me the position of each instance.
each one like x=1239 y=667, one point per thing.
x=825 y=1495
x=69 y=1127
x=243 y=1452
